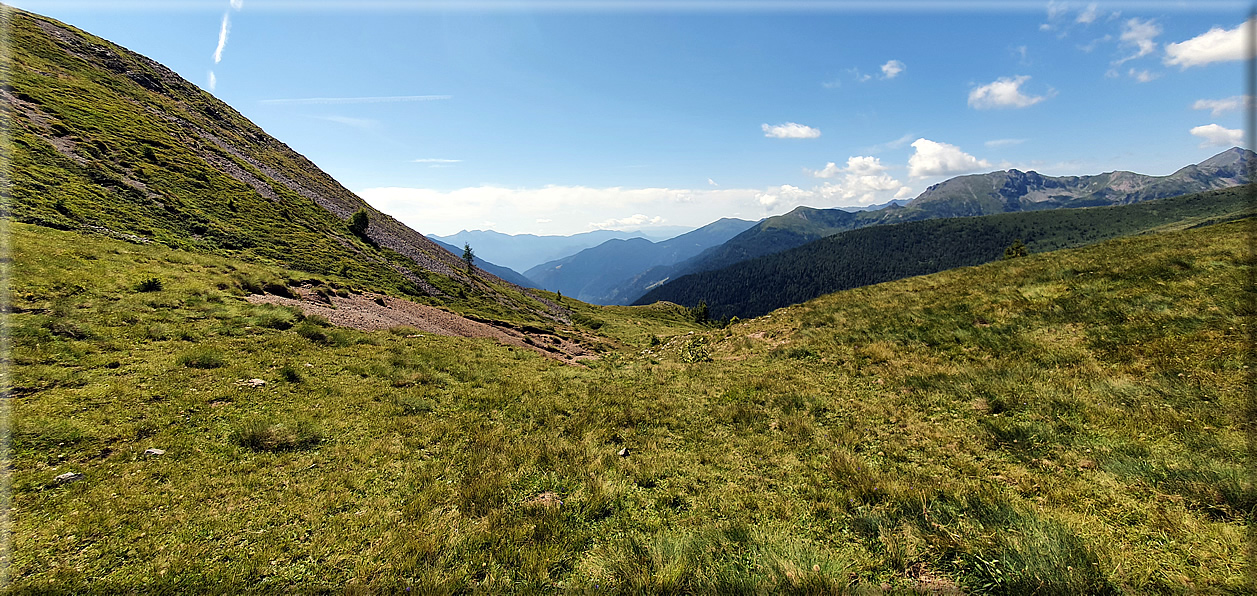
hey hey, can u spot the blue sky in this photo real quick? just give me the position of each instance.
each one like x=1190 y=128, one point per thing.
x=563 y=117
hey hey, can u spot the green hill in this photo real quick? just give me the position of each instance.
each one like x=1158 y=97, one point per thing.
x=1068 y=422
x=883 y=253
x=108 y=142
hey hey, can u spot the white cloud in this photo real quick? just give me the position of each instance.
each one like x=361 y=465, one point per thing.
x=1003 y=142
x=904 y=192
x=1141 y=35
x=863 y=181
x=1216 y=136
x=1091 y=45
x=892 y=69
x=712 y=182
x=790 y=130
x=834 y=84
x=1089 y=15
x=631 y=221
x=1005 y=92
x=1214 y=45
x=1143 y=76
x=573 y=209
x=348 y=100
x=348 y=121
x=237 y=4
x=213 y=81
x=895 y=144
x=859 y=165
x=1221 y=106
x=1056 y=9
x=222 y=38
x=435 y=160
x=941 y=159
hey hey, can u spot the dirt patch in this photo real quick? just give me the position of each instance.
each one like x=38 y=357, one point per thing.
x=371 y=312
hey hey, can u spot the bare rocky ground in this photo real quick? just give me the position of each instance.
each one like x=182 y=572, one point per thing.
x=370 y=312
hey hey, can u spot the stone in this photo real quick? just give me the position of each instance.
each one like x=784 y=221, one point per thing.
x=624 y=452
x=154 y=451
x=68 y=477
x=255 y=383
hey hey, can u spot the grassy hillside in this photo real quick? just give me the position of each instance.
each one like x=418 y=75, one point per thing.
x=109 y=142
x=1060 y=423
x=883 y=253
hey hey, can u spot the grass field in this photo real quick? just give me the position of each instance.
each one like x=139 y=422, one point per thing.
x=1067 y=422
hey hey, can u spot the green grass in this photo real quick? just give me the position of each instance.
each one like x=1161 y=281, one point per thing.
x=1060 y=423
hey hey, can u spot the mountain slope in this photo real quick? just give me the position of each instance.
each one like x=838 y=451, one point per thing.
x=106 y=141
x=522 y=252
x=504 y=273
x=877 y=254
x=964 y=196
x=596 y=274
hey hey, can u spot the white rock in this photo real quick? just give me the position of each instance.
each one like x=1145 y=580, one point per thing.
x=154 y=451
x=68 y=477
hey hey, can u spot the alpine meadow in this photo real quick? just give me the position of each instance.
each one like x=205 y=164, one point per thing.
x=229 y=374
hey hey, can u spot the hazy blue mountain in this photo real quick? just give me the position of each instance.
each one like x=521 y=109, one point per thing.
x=521 y=252
x=599 y=273
x=505 y=273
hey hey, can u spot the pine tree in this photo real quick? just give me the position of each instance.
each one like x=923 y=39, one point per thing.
x=469 y=257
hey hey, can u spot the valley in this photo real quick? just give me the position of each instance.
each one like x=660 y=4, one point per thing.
x=227 y=373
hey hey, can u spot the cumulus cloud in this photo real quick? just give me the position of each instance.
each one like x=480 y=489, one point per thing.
x=904 y=192
x=1141 y=35
x=790 y=130
x=859 y=165
x=863 y=180
x=1217 y=136
x=892 y=69
x=940 y=159
x=1221 y=106
x=1005 y=92
x=1214 y=45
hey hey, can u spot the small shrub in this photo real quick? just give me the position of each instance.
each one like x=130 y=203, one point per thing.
x=264 y=434
x=291 y=374
x=150 y=284
x=202 y=358
x=411 y=405
x=696 y=351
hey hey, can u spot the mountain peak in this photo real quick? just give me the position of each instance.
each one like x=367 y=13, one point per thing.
x=1230 y=157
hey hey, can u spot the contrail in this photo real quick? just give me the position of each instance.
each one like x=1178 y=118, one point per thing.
x=344 y=100
x=222 y=38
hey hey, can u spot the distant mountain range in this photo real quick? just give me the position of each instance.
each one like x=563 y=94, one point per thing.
x=598 y=274
x=503 y=273
x=877 y=254
x=521 y=252
x=964 y=196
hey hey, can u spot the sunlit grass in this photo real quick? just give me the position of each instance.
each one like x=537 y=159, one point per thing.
x=1062 y=423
